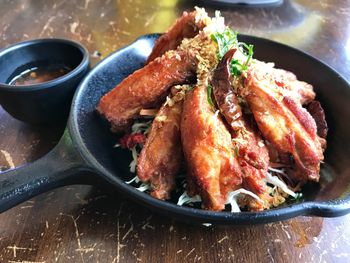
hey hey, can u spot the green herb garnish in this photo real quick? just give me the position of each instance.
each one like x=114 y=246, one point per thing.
x=228 y=40
x=225 y=41
x=209 y=96
x=237 y=68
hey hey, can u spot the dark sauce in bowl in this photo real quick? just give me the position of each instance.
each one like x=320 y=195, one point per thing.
x=40 y=74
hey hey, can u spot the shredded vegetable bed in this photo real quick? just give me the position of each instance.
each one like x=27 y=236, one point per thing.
x=184 y=199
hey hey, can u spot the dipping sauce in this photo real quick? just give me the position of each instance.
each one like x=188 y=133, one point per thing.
x=36 y=75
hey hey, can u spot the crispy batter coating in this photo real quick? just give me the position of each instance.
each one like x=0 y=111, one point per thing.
x=161 y=157
x=285 y=82
x=288 y=82
x=284 y=123
x=187 y=26
x=318 y=114
x=212 y=169
x=145 y=88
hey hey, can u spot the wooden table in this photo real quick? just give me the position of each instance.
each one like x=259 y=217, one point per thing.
x=89 y=224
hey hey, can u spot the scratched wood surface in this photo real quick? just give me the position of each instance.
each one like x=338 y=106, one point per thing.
x=92 y=224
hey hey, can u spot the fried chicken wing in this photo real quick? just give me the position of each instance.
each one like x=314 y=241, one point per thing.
x=299 y=90
x=212 y=169
x=161 y=157
x=187 y=26
x=146 y=87
x=265 y=141
x=251 y=151
x=284 y=122
x=318 y=114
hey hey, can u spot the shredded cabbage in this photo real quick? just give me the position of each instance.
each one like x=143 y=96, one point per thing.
x=232 y=198
x=136 y=179
x=144 y=187
x=133 y=163
x=279 y=183
x=185 y=199
x=141 y=127
x=137 y=127
x=279 y=171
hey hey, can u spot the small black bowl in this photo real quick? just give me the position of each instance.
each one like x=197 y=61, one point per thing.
x=45 y=102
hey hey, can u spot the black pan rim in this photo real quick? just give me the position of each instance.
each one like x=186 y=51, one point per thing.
x=324 y=208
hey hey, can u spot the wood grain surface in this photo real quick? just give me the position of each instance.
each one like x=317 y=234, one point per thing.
x=92 y=224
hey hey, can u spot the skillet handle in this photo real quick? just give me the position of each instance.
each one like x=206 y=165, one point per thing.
x=61 y=166
x=330 y=208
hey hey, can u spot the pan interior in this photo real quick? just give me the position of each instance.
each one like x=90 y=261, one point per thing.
x=92 y=134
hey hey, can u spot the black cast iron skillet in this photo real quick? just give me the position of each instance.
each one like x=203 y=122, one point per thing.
x=86 y=149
